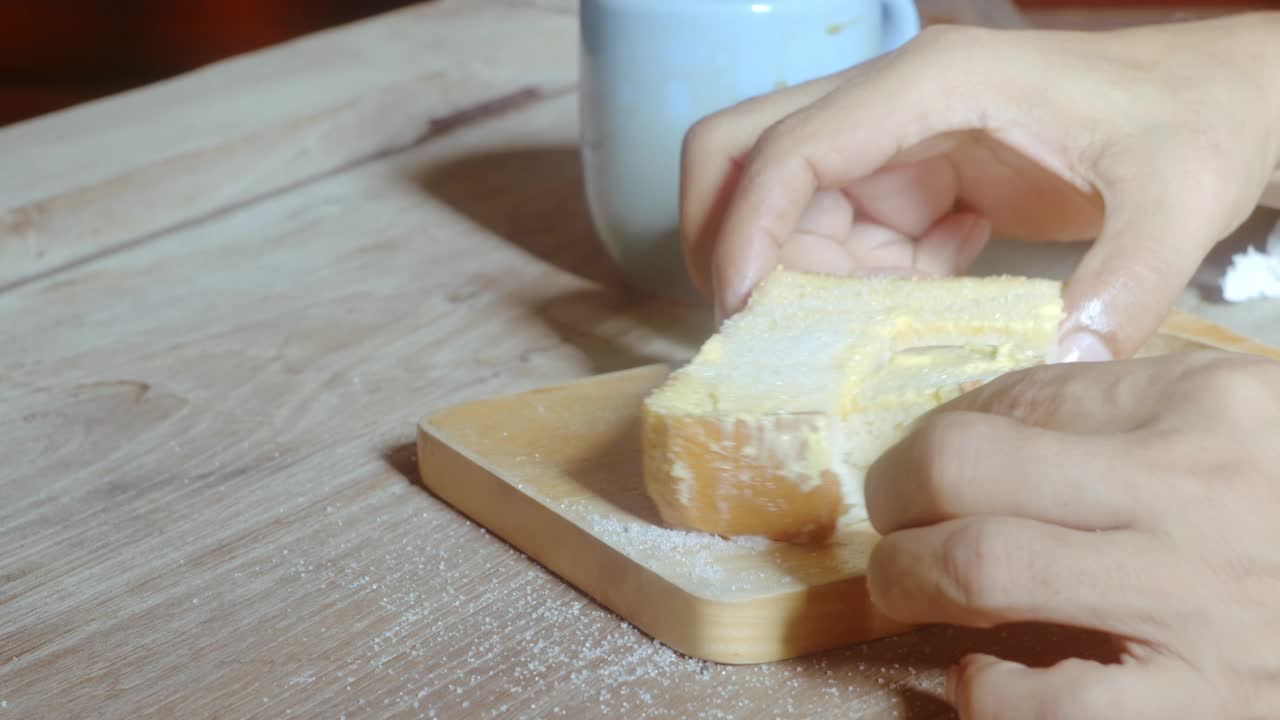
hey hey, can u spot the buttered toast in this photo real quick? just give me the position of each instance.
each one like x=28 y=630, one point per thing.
x=770 y=428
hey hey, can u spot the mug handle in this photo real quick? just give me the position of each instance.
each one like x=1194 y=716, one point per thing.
x=901 y=23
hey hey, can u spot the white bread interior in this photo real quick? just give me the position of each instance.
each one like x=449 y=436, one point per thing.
x=771 y=427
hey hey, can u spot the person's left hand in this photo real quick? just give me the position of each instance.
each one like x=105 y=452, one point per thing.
x=1139 y=498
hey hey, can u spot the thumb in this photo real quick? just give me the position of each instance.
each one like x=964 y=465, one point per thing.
x=1151 y=243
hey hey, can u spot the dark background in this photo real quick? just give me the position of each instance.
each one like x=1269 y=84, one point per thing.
x=56 y=53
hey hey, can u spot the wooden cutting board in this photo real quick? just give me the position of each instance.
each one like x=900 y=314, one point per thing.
x=556 y=472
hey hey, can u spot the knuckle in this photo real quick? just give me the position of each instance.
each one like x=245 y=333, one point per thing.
x=973 y=563
x=1188 y=468
x=1219 y=206
x=888 y=564
x=1193 y=469
x=948 y=447
x=1159 y=448
x=1251 y=691
x=786 y=131
x=879 y=568
x=877 y=496
x=704 y=134
x=788 y=145
x=944 y=38
x=1023 y=395
x=1214 y=144
x=1234 y=382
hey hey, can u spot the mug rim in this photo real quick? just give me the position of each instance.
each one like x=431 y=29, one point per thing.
x=757 y=7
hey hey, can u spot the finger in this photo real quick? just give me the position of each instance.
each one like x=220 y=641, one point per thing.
x=1093 y=399
x=909 y=198
x=995 y=177
x=838 y=140
x=818 y=242
x=830 y=214
x=982 y=687
x=808 y=252
x=952 y=245
x=988 y=571
x=711 y=160
x=1153 y=239
x=947 y=469
x=874 y=246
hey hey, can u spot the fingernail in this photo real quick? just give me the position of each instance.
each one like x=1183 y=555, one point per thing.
x=953 y=680
x=1083 y=346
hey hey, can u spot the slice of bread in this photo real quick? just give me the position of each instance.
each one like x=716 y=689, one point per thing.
x=771 y=427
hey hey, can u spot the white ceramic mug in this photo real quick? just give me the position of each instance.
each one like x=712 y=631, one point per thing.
x=651 y=68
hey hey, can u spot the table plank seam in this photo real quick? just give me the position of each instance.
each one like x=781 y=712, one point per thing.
x=19 y=220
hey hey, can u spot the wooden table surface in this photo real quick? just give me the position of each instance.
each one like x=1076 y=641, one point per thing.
x=224 y=302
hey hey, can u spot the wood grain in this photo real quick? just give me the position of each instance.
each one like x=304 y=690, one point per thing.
x=556 y=472
x=211 y=503
x=105 y=174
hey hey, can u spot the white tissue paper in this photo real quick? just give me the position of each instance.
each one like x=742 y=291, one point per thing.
x=1254 y=274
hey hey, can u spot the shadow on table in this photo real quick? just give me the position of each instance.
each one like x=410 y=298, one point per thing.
x=533 y=198
x=934 y=649
x=403 y=459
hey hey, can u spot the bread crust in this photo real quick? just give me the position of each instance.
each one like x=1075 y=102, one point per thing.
x=769 y=430
x=765 y=476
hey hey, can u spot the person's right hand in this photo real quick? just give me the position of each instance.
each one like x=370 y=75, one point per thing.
x=1157 y=141
x=1136 y=498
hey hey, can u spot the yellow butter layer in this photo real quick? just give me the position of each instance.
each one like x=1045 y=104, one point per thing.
x=815 y=343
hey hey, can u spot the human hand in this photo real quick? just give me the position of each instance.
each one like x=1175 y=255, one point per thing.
x=1157 y=141
x=1140 y=498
